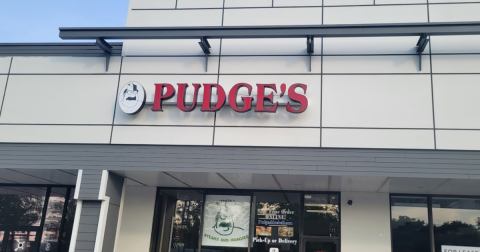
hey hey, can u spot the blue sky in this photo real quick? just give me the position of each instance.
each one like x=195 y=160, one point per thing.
x=23 y=21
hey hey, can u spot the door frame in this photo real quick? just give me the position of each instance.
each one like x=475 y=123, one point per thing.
x=335 y=240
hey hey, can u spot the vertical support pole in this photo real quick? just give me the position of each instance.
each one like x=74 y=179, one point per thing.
x=206 y=63
x=420 y=61
x=421 y=44
x=107 y=58
x=310 y=68
x=107 y=49
x=206 y=49
x=310 y=50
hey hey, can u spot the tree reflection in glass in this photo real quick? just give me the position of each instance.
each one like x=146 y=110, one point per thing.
x=456 y=221
x=53 y=220
x=186 y=226
x=410 y=230
x=68 y=226
x=183 y=219
x=322 y=215
x=21 y=206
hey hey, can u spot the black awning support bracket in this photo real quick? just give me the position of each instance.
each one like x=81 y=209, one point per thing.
x=421 y=45
x=107 y=49
x=310 y=50
x=206 y=49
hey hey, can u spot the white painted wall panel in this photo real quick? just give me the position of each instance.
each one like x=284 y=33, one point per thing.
x=136 y=220
x=401 y=1
x=282 y=46
x=199 y=4
x=377 y=138
x=270 y=64
x=144 y=18
x=371 y=45
x=396 y=101
x=454 y=12
x=64 y=65
x=455 y=44
x=453 y=1
x=309 y=118
x=278 y=3
x=248 y=3
x=149 y=4
x=273 y=16
x=376 y=14
x=60 y=99
x=294 y=137
x=375 y=64
x=169 y=65
x=167 y=47
x=3 y=82
x=171 y=114
x=347 y=2
x=457 y=101
x=162 y=135
x=55 y=134
x=370 y=210
x=4 y=64
x=458 y=139
x=455 y=63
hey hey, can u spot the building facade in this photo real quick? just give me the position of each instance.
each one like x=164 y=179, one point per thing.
x=251 y=144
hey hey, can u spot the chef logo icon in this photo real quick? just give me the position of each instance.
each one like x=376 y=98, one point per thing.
x=224 y=224
x=131 y=98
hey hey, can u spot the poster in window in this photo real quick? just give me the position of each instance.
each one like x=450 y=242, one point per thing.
x=226 y=221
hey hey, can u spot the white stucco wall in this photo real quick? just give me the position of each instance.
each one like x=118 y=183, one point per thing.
x=365 y=225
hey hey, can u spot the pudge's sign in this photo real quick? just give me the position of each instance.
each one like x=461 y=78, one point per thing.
x=132 y=97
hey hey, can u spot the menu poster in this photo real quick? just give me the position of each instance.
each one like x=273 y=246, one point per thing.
x=274 y=225
x=226 y=221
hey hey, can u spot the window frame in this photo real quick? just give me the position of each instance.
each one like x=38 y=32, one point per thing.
x=40 y=228
x=429 y=211
x=156 y=229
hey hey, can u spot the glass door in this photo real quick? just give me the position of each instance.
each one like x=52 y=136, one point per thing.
x=19 y=240
x=321 y=245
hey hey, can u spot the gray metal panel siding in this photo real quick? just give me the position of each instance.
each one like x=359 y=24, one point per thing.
x=114 y=188
x=87 y=229
x=90 y=184
x=319 y=161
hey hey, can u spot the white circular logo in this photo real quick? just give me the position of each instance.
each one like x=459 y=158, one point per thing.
x=131 y=98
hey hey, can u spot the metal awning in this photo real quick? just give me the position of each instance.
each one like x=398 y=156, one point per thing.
x=423 y=30
x=57 y=49
x=226 y=32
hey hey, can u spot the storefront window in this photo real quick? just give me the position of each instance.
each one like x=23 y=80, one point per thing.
x=2 y=233
x=21 y=206
x=182 y=211
x=226 y=223
x=22 y=224
x=322 y=215
x=68 y=222
x=21 y=241
x=53 y=220
x=456 y=222
x=410 y=230
x=214 y=220
x=276 y=224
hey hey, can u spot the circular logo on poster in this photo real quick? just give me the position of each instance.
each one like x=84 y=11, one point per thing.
x=131 y=98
